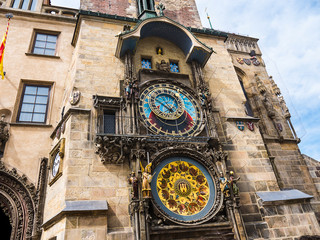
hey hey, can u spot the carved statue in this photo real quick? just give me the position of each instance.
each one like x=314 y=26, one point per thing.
x=268 y=105
x=262 y=89
x=126 y=28
x=224 y=186
x=233 y=183
x=275 y=87
x=128 y=89
x=163 y=66
x=133 y=180
x=4 y=132
x=135 y=90
x=146 y=180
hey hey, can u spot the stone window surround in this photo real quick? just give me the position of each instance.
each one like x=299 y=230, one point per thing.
x=33 y=41
x=19 y=4
x=34 y=104
x=16 y=112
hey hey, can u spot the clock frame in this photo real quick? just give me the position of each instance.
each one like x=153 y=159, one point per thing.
x=167 y=109
x=56 y=154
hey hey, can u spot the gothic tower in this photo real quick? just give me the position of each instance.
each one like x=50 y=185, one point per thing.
x=148 y=126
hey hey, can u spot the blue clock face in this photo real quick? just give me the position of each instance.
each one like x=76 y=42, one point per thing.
x=169 y=110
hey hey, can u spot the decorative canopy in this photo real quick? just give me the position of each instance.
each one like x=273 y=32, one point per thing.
x=166 y=28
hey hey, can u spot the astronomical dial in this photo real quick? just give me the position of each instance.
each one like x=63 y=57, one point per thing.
x=183 y=189
x=169 y=110
x=56 y=165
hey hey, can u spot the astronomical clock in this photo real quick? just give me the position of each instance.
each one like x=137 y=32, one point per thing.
x=184 y=186
x=170 y=110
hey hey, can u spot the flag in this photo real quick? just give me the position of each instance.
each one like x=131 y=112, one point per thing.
x=2 y=46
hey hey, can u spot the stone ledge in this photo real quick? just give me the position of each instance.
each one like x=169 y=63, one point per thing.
x=280 y=197
x=78 y=207
x=244 y=119
x=67 y=115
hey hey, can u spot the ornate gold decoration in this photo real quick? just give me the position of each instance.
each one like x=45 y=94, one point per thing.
x=183 y=188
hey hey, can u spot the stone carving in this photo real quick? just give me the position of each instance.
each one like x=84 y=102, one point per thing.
x=4 y=132
x=133 y=180
x=110 y=150
x=100 y=101
x=19 y=199
x=75 y=96
x=243 y=44
x=41 y=190
x=284 y=107
x=126 y=28
x=163 y=66
x=261 y=87
x=269 y=107
x=275 y=88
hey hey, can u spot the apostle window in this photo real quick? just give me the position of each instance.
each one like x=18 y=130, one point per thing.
x=146 y=63
x=34 y=104
x=45 y=44
x=24 y=4
x=174 y=67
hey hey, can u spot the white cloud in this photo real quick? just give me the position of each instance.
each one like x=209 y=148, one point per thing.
x=289 y=39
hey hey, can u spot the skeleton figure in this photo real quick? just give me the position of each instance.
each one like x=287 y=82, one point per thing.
x=133 y=180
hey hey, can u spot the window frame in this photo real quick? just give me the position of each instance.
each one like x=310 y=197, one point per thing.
x=171 y=61
x=146 y=58
x=30 y=4
x=25 y=84
x=34 y=38
x=111 y=112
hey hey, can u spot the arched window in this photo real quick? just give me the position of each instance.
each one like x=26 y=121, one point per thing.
x=247 y=104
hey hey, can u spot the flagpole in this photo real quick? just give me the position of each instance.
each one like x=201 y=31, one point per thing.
x=208 y=18
x=3 y=44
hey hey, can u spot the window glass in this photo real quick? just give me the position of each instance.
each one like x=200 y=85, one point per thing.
x=33 y=5
x=25 y=4
x=146 y=63
x=34 y=104
x=174 y=67
x=45 y=44
x=109 y=122
x=16 y=4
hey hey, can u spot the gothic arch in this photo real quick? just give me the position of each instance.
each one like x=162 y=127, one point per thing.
x=243 y=79
x=18 y=202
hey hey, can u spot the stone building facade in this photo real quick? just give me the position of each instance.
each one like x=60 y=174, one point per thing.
x=128 y=120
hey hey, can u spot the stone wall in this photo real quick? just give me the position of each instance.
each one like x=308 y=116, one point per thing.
x=183 y=11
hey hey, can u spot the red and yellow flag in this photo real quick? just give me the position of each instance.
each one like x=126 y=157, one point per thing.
x=2 y=46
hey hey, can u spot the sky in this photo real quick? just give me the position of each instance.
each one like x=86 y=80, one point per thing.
x=289 y=39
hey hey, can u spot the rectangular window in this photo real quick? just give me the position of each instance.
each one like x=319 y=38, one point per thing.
x=146 y=63
x=45 y=44
x=109 y=122
x=24 y=4
x=174 y=66
x=34 y=104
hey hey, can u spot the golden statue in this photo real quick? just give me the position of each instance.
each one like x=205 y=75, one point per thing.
x=146 y=180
